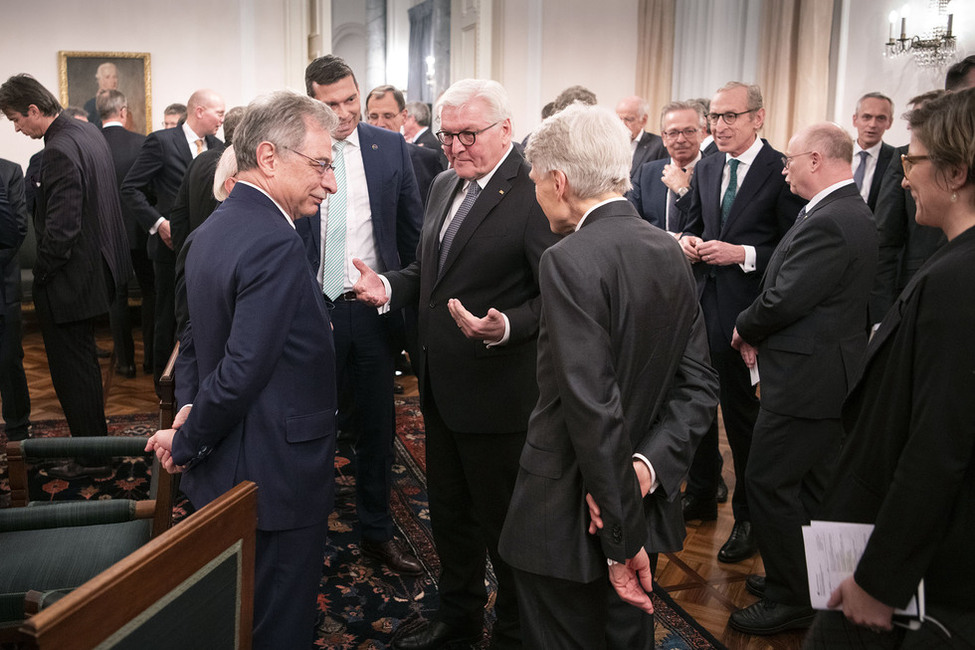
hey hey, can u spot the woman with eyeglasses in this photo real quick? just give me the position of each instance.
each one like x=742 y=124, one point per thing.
x=908 y=464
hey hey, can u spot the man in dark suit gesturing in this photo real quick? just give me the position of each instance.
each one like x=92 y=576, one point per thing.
x=737 y=209
x=149 y=192
x=81 y=249
x=625 y=394
x=375 y=215
x=809 y=326
x=482 y=237
x=257 y=372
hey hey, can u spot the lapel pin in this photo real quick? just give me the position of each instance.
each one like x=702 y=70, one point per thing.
x=375 y=147
x=500 y=191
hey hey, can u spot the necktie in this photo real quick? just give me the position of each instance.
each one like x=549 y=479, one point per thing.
x=801 y=215
x=333 y=259
x=729 y=194
x=473 y=190
x=199 y=146
x=861 y=170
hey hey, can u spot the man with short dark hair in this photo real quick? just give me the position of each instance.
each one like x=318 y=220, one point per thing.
x=375 y=215
x=173 y=114
x=961 y=75
x=82 y=252
x=871 y=155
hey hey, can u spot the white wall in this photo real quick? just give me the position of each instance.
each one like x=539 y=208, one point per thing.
x=236 y=47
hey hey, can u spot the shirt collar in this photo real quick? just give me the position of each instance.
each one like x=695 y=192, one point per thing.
x=291 y=222
x=112 y=123
x=484 y=180
x=822 y=194
x=598 y=205
x=874 y=151
x=748 y=156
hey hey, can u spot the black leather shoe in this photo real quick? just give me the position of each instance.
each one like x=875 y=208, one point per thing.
x=126 y=371
x=755 y=585
x=699 y=508
x=394 y=554
x=436 y=635
x=721 y=494
x=72 y=470
x=740 y=545
x=769 y=617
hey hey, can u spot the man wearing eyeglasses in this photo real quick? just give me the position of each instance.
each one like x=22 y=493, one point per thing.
x=737 y=209
x=476 y=283
x=646 y=146
x=375 y=215
x=807 y=332
x=659 y=183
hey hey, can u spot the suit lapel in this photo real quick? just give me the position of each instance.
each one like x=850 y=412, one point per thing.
x=710 y=182
x=762 y=167
x=372 y=163
x=437 y=214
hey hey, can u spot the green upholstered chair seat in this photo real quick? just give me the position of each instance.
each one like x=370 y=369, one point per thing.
x=57 y=515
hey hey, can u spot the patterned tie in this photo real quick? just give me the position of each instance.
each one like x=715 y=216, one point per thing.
x=861 y=170
x=729 y=194
x=199 y=146
x=801 y=215
x=333 y=261
x=473 y=189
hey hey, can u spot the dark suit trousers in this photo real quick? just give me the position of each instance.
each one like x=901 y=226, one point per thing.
x=791 y=464
x=164 y=335
x=13 y=382
x=287 y=571
x=120 y=319
x=75 y=372
x=365 y=362
x=470 y=479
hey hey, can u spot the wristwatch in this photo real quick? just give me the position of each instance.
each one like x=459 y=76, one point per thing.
x=682 y=191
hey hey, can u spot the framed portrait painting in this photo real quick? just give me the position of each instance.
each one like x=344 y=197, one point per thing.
x=83 y=74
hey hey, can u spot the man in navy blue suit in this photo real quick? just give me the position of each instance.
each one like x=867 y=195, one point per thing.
x=659 y=183
x=375 y=215
x=257 y=375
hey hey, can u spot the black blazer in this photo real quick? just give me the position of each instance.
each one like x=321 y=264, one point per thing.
x=763 y=211
x=603 y=383
x=150 y=188
x=908 y=464
x=195 y=200
x=650 y=147
x=77 y=172
x=810 y=321
x=13 y=229
x=426 y=165
x=883 y=160
x=493 y=262
x=125 y=146
x=428 y=140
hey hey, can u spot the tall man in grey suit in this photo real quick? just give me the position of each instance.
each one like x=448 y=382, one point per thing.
x=809 y=326
x=476 y=282
x=82 y=252
x=738 y=207
x=625 y=394
x=871 y=155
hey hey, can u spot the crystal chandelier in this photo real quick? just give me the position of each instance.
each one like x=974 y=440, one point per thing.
x=935 y=47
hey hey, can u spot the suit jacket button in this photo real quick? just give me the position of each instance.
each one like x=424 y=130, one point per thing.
x=432 y=304
x=617 y=534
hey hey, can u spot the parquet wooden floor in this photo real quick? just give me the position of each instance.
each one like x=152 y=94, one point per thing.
x=704 y=587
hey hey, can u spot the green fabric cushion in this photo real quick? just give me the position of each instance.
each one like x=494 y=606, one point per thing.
x=92 y=447
x=57 y=515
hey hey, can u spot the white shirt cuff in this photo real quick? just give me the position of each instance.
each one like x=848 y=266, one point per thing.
x=748 y=266
x=384 y=309
x=654 y=484
x=507 y=333
x=155 y=226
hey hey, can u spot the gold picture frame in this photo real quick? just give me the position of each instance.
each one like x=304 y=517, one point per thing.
x=76 y=73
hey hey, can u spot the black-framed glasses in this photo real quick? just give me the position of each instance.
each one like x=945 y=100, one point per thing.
x=467 y=138
x=675 y=133
x=320 y=164
x=729 y=117
x=787 y=160
x=908 y=161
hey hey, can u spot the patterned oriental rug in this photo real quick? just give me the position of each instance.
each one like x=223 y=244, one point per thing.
x=361 y=602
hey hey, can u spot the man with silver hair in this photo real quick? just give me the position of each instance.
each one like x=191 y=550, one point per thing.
x=483 y=234
x=625 y=393
x=644 y=146
x=258 y=393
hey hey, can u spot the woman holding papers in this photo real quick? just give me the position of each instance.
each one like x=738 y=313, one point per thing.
x=908 y=464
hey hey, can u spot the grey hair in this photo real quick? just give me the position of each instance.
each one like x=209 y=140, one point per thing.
x=109 y=103
x=279 y=118
x=589 y=144
x=420 y=112
x=466 y=90
x=880 y=96
x=754 y=93
x=689 y=105
x=831 y=140
x=226 y=168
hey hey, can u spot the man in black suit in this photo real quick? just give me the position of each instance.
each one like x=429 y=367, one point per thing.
x=375 y=215
x=82 y=252
x=149 y=192
x=619 y=413
x=195 y=200
x=417 y=129
x=386 y=108
x=659 y=183
x=482 y=238
x=646 y=146
x=13 y=228
x=125 y=146
x=808 y=331
x=871 y=155
x=737 y=209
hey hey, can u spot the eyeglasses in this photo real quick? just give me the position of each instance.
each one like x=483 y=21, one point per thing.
x=673 y=135
x=467 y=138
x=729 y=117
x=909 y=161
x=320 y=164
x=787 y=160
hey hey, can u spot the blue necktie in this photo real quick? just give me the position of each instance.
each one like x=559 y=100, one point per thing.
x=448 y=237
x=729 y=194
x=861 y=170
x=333 y=257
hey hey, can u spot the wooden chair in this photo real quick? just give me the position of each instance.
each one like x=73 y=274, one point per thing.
x=191 y=587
